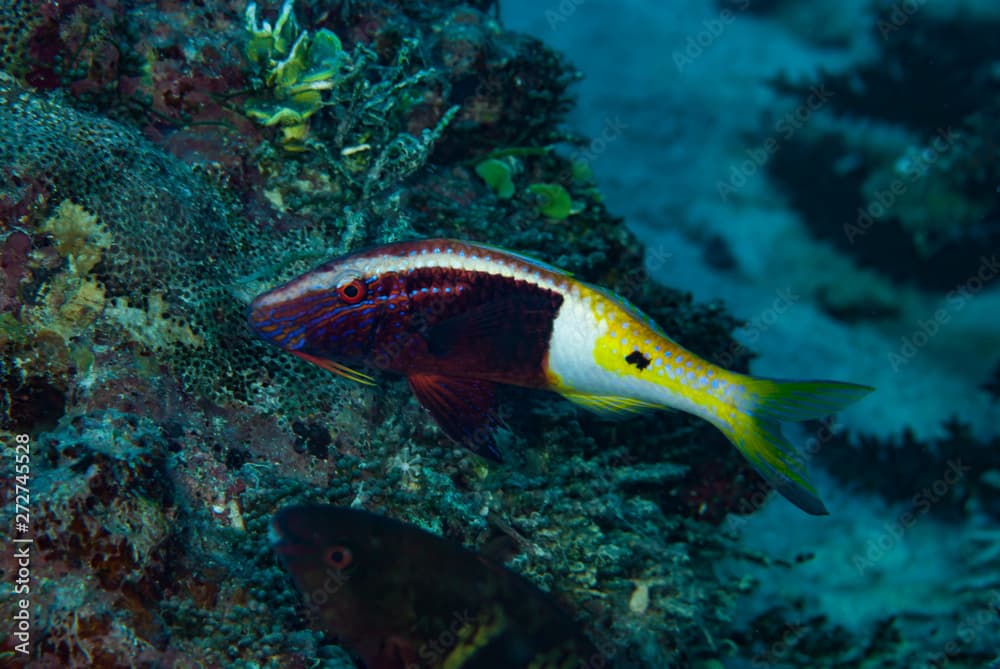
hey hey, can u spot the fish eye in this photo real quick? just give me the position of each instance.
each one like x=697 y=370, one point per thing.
x=352 y=292
x=339 y=557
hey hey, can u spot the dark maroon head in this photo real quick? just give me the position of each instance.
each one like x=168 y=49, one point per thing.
x=328 y=313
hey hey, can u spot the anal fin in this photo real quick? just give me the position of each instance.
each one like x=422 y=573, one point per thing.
x=611 y=406
x=466 y=409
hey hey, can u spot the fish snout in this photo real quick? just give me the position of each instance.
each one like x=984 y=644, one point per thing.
x=261 y=318
x=257 y=314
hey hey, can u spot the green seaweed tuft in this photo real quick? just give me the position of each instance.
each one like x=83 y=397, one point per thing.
x=498 y=176
x=552 y=200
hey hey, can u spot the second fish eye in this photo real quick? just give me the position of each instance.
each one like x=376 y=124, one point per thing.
x=339 y=557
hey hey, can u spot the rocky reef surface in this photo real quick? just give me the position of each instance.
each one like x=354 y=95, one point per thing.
x=163 y=163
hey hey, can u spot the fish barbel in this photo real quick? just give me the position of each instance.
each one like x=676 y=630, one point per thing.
x=457 y=318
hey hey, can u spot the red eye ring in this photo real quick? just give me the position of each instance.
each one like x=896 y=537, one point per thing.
x=338 y=557
x=352 y=292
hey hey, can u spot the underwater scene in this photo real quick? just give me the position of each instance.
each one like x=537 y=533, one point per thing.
x=500 y=334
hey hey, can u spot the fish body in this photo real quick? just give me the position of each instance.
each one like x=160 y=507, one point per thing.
x=402 y=598
x=456 y=318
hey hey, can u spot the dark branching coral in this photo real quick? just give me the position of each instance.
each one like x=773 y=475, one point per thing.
x=921 y=209
x=967 y=463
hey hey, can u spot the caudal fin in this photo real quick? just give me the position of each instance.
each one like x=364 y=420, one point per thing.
x=757 y=431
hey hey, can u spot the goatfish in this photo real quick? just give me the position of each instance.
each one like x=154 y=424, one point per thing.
x=399 y=597
x=457 y=318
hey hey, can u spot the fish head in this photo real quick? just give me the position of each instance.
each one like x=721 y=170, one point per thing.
x=325 y=548
x=327 y=313
x=400 y=597
x=350 y=568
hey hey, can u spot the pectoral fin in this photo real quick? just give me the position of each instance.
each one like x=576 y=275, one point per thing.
x=336 y=368
x=466 y=409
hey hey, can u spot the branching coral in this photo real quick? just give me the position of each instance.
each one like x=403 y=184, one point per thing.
x=886 y=173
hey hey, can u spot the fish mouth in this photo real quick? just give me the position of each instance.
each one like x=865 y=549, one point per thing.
x=275 y=537
x=287 y=540
x=258 y=314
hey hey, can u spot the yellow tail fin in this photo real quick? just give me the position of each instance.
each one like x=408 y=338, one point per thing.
x=757 y=431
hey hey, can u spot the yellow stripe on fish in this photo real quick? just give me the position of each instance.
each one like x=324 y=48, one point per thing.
x=472 y=638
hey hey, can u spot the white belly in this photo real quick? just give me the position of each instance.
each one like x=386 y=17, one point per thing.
x=591 y=339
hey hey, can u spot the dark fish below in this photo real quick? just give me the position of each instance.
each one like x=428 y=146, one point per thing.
x=457 y=318
x=402 y=598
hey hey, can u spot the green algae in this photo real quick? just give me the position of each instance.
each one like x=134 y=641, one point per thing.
x=497 y=175
x=553 y=200
x=296 y=68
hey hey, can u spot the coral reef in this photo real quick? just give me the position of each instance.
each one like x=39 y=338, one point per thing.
x=105 y=536
x=887 y=174
x=140 y=217
x=969 y=463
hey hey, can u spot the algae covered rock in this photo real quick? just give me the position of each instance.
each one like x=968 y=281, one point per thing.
x=167 y=434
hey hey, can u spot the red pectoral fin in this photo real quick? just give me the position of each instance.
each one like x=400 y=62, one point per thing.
x=466 y=409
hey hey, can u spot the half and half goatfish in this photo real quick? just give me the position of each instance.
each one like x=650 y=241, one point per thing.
x=457 y=318
x=402 y=598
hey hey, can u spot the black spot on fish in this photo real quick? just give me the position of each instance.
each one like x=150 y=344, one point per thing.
x=638 y=359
